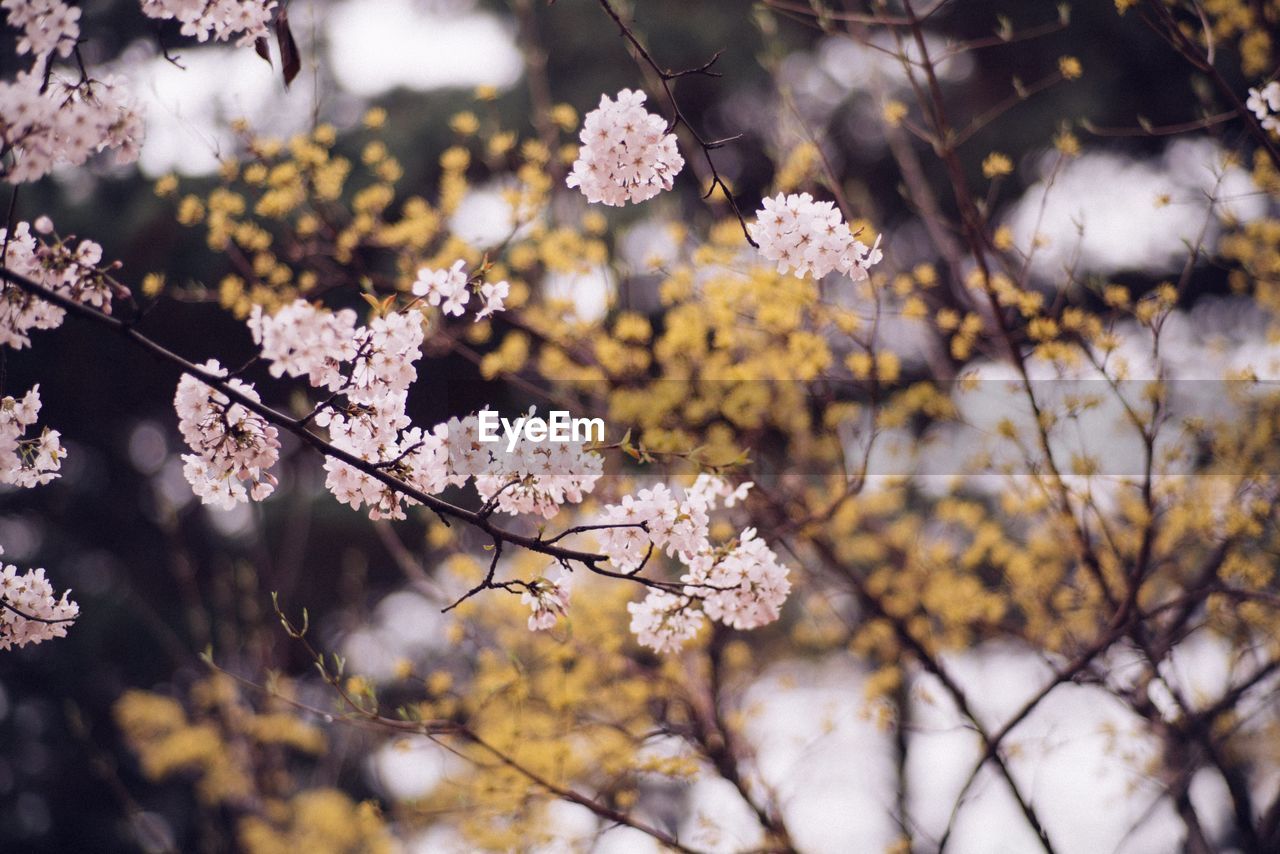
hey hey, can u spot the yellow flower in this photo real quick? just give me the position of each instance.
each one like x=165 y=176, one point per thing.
x=167 y=185
x=325 y=134
x=894 y=112
x=464 y=123
x=455 y=159
x=1070 y=68
x=1067 y=143
x=594 y=222
x=798 y=167
x=152 y=284
x=565 y=117
x=1003 y=238
x=190 y=210
x=915 y=309
x=1116 y=296
x=996 y=164
x=501 y=143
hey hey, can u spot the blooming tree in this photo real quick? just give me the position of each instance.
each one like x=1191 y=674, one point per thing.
x=761 y=499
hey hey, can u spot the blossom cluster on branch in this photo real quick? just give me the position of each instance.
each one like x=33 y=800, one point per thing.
x=48 y=119
x=220 y=20
x=451 y=291
x=548 y=599
x=807 y=236
x=627 y=155
x=73 y=271
x=65 y=123
x=29 y=613
x=741 y=584
x=48 y=27
x=369 y=369
x=233 y=446
x=27 y=461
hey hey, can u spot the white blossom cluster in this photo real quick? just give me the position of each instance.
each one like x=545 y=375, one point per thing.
x=46 y=120
x=653 y=518
x=72 y=271
x=665 y=621
x=371 y=367
x=369 y=370
x=29 y=613
x=411 y=455
x=233 y=445
x=216 y=19
x=27 y=461
x=627 y=155
x=1265 y=103
x=65 y=124
x=304 y=341
x=547 y=598
x=48 y=26
x=805 y=236
x=450 y=289
x=372 y=425
x=742 y=585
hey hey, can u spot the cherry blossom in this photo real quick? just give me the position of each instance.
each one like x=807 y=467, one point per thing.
x=46 y=119
x=26 y=461
x=65 y=123
x=664 y=621
x=216 y=19
x=494 y=295
x=302 y=340
x=627 y=155
x=741 y=584
x=444 y=286
x=808 y=237
x=233 y=446
x=48 y=26
x=626 y=542
x=533 y=478
x=416 y=457
x=744 y=588
x=70 y=270
x=372 y=367
x=29 y=613
x=678 y=527
x=548 y=598
x=710 y=488
x=386 y=351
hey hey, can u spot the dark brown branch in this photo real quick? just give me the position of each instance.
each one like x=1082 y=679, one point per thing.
x=32 y=617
